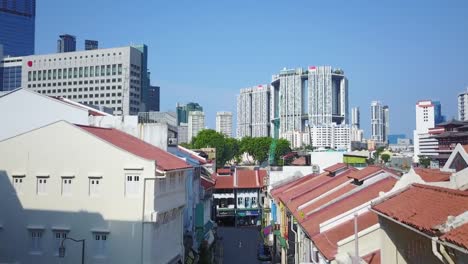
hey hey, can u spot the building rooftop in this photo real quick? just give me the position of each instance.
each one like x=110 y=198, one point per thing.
x=312 y=220
x=432 y=175
x=164 y=160
x=424 y=207
x=327 y=242
x=336 y=167
x=240 y=179
x=373 y=257
x=366 y=172
x=458 y=236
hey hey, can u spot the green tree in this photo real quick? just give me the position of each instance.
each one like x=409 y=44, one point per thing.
x=385 y=157
x=282 y=148
x=424 y=161
x=257 y=147
x=209 y=138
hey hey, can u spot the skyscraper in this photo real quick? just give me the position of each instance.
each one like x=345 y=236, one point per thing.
x=184 y=110
x=427 y=112
x=253 y=112
x=380 y=124
x=355 y=117
x=224 y=123
x=66 y=43
x=152 y=102
x=91 y=44
x=463 y=106
x=317 y=96
x=196 y=123
x=17 y=27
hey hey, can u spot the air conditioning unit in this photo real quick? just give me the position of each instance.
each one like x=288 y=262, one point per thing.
x=315 y=168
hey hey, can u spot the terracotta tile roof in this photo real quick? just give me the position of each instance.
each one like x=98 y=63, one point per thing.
x=336 y=167
x=301 y=161
x=300 y=186
x=224 y=171
x=411 y=206
x=458 y=236
x=164 y=160
x=300 y=198
x=250 y=178
x=244 y=179
x=324 y=200
x=279 y=189
x=433 y=175
x=366 y=172
x=312 y=220
x=224 y=182
x=327 y=241
x=373 y=257
x=207 y=183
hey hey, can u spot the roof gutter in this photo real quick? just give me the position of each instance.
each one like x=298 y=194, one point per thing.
x=463 y=250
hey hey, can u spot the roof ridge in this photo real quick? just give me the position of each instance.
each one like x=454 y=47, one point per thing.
x=107 y=128
x=441 y=189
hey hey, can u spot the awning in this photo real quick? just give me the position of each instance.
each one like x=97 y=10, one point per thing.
x=223 y=195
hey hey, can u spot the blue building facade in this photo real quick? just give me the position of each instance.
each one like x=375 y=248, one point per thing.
x=438 y=117
x=152 y=104
x=393 y=139
x=10 y=73
x=17 y=27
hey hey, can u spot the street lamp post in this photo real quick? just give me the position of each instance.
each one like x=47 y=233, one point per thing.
x=62 y=248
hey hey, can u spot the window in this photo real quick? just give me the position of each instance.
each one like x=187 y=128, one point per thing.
x=94 y=186
x=59 y=236
x=35 y=237
x=66 y=186
x=18 y=183
x=254 y=202
x=132 y=184
x=100 y=243
x=247 y=202
x=240 y=201
x=41 y=185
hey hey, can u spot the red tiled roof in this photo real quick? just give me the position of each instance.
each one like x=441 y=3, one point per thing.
x=458 y=236
x=206 y=183
x=327 y=241
x=244 y=179
x=424 y=207
x=301 y=197
x=301 y=161
x=433 y=175
x=224 y=182
x=301 y=186
x=164 y=160
x=336 y=167
x=250 y=178
x=326 y=199
x=224 y=171
x=372 y=258
x=279 y=189
x=312 y=220
x=364 y=173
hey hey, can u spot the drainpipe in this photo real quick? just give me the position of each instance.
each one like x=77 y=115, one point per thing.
x=296 y=261
x=446 y=256
x=434 y=249
x=143 y=215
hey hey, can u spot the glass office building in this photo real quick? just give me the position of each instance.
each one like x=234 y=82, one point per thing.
x=17 y=26
x=10 y=73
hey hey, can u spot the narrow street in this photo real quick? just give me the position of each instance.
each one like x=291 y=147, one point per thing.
x=239 y=245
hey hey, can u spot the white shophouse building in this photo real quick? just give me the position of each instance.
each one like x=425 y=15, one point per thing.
x=124 y=196
x=102 y=77
x=424 y=143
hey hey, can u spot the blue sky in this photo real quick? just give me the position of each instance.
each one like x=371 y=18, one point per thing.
x=397 y=52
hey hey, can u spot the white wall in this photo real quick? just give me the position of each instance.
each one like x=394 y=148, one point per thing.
x=50 y=152
x=24 y=110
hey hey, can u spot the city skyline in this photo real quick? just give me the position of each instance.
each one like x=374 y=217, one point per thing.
x=380 y=48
